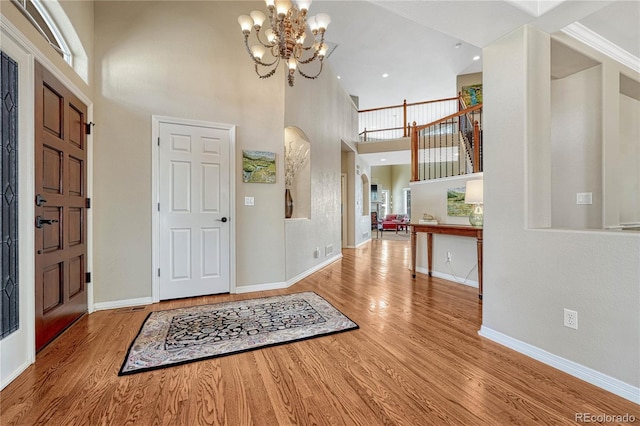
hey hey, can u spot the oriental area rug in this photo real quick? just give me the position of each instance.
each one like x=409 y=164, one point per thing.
x=179 y=336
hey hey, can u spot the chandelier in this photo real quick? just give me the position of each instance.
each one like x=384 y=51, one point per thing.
x=285 y=39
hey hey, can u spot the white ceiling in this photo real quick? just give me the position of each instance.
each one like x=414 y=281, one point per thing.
x=415 y=41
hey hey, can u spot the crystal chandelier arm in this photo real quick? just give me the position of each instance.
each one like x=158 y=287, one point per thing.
x=310 y=59
x=310 y=77
x=256 y=60
x=270 y=73
x=267 y=44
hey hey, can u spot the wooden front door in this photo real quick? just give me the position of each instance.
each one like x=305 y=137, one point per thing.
x=60 y=207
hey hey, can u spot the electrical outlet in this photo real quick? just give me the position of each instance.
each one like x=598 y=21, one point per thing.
x=316 y=253
x=448 y=259
x=570 y=319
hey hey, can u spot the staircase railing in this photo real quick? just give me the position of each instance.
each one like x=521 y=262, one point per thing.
x=449 y=146
x=393 y=122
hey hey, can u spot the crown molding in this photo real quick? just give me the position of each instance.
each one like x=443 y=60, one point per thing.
x=601 y=44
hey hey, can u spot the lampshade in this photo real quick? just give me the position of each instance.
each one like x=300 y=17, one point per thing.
x=474 y=192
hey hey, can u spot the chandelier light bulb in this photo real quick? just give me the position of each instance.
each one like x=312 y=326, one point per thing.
x=283 y=6
x=313 y=24
x=323 y=50
x=303 y=5
x=245 y=23
x=258 y=51
x=271 y=36
x=323 y=20
x=270 y=3
x=258 y=18
x=292 y=64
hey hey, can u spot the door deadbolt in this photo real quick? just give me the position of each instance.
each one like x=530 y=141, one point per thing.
x=39 y=200
x=41 y=221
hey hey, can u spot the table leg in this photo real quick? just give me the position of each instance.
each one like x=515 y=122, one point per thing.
x=413 y=253
x=429 y=252
x=480 y=267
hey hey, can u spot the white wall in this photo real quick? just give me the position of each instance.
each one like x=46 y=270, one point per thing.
x=576 y=149
x=630 y=159
x=530 y=275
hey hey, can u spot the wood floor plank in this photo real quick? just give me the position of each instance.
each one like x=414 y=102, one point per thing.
x=416 y=359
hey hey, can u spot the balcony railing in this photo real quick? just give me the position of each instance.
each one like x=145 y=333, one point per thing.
x=393 y=122
x=450 y=146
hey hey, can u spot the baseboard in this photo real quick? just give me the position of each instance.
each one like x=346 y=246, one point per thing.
x=261 y=287
x=290 y=282
x=448 y=277
x=316 y=268
x=14 y=375
x=125 y=303
x=608 y=383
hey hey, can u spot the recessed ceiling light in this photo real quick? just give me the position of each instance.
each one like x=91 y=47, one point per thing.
x=458 y=45
x=339 y=77
x=385 y=75
x=475 y=58
x=383 y=159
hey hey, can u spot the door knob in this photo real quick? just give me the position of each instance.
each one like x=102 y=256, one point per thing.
x=224 y=219
x=41 y=221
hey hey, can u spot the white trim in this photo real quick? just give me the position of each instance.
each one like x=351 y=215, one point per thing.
x=288 y=283
x=447 y=277
x=125 y=303
x=601 y=44
x=314 y=269
x=14 y=374
x=589 y=375
x=261 y=287
x=17 y=350
x=155 y=196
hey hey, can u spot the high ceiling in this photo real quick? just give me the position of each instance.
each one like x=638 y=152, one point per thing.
x=414 y=42
x=423 y=45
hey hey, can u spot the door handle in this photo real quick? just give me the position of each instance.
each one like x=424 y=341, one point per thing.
x=41 y=221
x=224 y=219
x=39 y=200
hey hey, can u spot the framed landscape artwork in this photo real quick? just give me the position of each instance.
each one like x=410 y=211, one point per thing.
x=455 y=202
x=258 y=167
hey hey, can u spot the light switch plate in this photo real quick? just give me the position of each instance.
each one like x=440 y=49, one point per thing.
x=249 y=201
x=584 y=198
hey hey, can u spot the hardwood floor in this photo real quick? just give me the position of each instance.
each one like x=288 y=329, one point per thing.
x=416 y=360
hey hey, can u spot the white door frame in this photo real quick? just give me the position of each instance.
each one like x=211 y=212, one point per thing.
x=18 y=349
x=156 y=120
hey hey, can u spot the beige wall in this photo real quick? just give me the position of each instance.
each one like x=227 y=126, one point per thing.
x=393 y=178
x=630 y=158
x=430 y=196
x=531 y=275
x=325 y=113
x=187 y=59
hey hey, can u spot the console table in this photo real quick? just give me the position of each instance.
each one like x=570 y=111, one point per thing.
x=460 y=230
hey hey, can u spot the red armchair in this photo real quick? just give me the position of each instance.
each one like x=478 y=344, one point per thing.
x=395 y=222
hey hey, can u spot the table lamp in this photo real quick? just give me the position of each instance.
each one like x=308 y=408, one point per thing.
x=474 y=195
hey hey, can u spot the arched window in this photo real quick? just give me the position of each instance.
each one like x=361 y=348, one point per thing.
x=41 y=20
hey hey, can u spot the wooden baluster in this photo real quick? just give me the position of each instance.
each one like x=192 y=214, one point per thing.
x=476 y=147
x=414 y=153
x=404 y=120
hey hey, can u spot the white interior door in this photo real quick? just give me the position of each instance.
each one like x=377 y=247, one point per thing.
x=194 y=205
